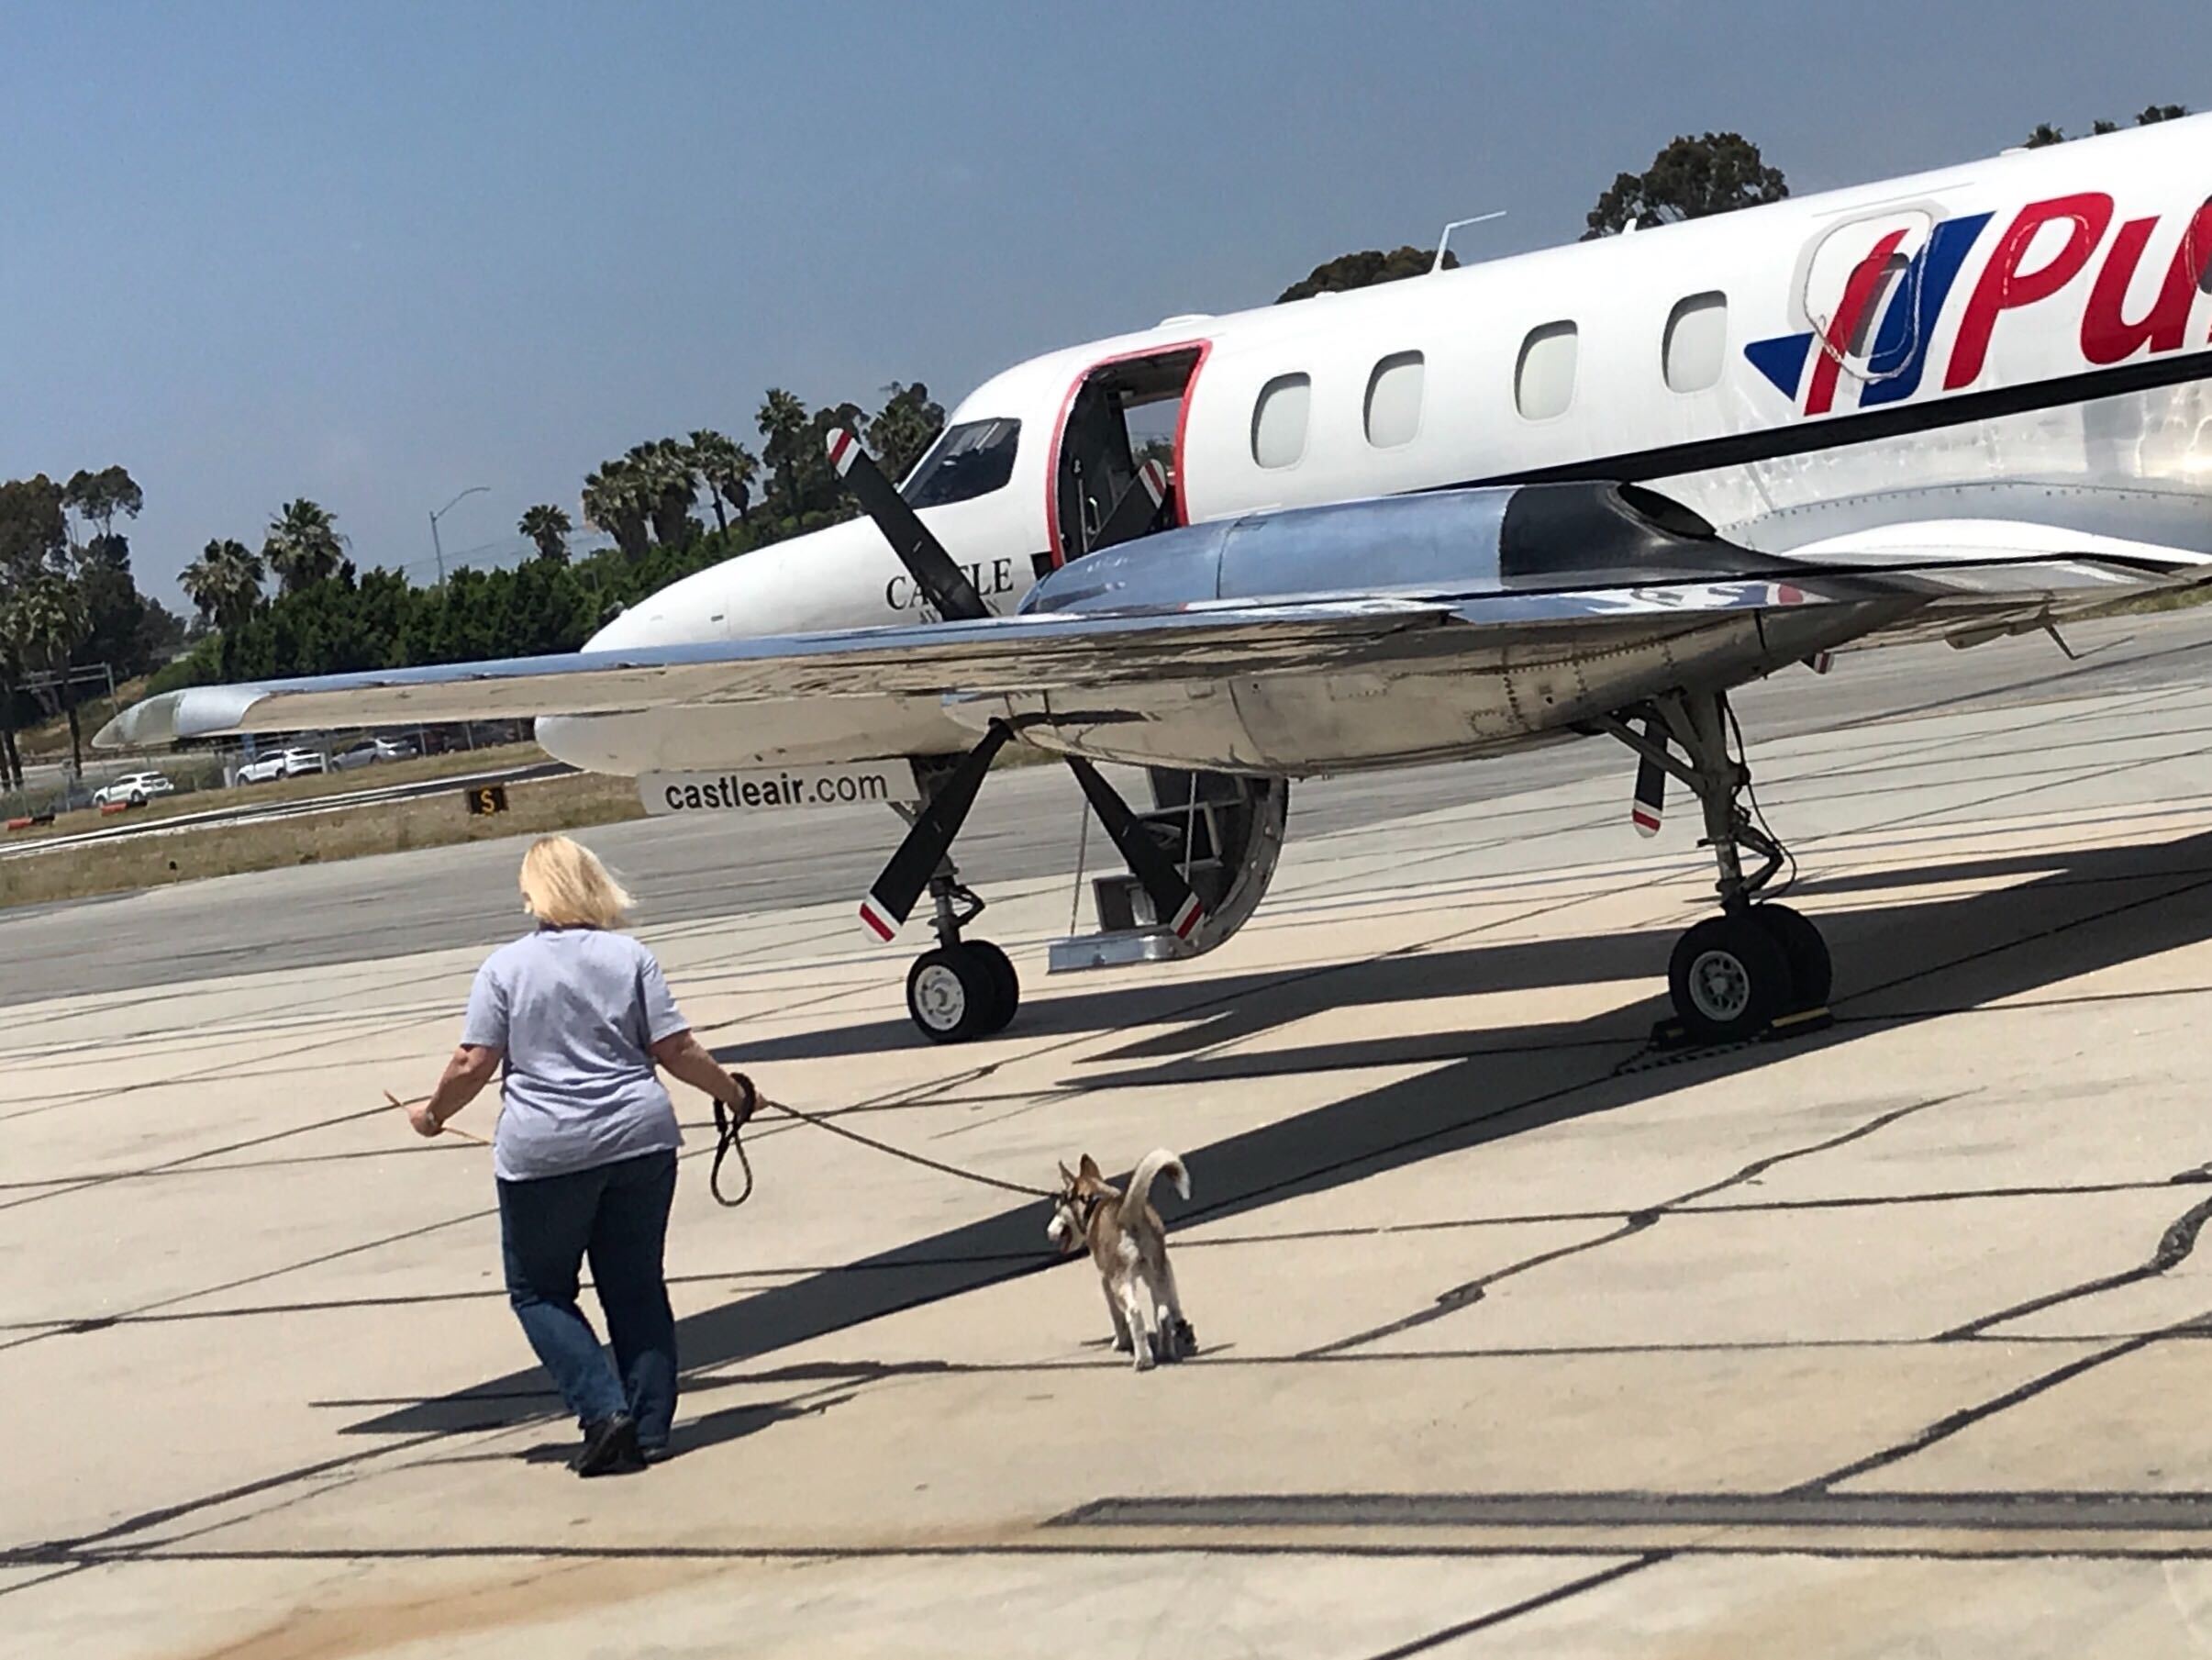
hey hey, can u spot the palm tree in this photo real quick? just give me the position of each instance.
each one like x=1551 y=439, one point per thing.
x=224 y=587
x=614 y=501
x=549 y=527
x=672 y=487
x=45 y=624
x=304 y=546
x=729 y=469
x=782 y=420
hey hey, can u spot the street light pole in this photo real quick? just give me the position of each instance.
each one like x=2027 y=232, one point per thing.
x=434 y=545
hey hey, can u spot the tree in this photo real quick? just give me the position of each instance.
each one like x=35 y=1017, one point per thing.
x=782 y=421
x=729 y=469
x=671 y=488
x=907 y=426
x=304 y=546
x=614 y=501
x=34 y=526
x=1690 y=179
x=97 y=497
x=2045 y=134
x=225 y=584
x=45 y=624
x=549 y=527
x=1364 y=270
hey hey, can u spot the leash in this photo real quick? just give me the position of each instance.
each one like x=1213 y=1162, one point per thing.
x=728 y=1123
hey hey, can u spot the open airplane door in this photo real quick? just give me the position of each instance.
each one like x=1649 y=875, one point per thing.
x=1116 y=471
x=1117 y=474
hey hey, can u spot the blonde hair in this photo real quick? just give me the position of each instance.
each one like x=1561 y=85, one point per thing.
x=564 y=884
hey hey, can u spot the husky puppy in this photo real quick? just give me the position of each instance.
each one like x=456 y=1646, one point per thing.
x=1128 y=1243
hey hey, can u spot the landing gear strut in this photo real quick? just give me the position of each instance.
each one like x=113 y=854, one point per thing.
x=1733 y=975
x=962 y=988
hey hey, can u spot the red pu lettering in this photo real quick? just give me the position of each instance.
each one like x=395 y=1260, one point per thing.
x=2006 y=287
x=2107 y=335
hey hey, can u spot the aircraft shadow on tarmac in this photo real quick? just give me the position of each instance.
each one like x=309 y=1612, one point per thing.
x=2087 y=911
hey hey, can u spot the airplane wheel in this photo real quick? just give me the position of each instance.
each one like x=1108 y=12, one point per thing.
x=1811 y=972
x=953 y=994
x=1730 y=977
x=1006 y=982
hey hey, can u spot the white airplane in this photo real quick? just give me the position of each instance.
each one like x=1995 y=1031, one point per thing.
x=1581 y=492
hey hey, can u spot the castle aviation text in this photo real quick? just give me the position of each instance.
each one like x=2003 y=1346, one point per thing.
x=778 y=790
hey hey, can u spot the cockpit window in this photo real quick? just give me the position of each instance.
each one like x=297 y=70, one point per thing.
x=968 y=460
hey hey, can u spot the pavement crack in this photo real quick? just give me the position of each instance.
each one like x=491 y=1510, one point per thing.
x=1634 y=1222
x=2173 y=1248
x=1526 y=1605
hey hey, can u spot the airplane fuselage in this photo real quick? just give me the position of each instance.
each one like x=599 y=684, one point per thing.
x=2025 y=338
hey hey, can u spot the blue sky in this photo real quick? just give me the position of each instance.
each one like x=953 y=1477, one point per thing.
x=377 y=252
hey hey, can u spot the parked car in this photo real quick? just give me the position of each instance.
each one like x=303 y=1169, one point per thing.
x=135 y=788
x=284 y=763
x=369 y=751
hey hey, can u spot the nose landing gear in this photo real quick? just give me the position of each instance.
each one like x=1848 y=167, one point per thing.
x=1734 y=976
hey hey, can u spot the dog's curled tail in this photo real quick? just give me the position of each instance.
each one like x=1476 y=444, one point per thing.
x=1154 y=1165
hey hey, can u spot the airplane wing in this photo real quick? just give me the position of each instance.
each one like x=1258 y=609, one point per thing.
x=1903 y=584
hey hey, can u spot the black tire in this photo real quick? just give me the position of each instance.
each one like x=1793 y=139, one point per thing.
x=1811 y=971
x=1730 y=977
x=1006 y=982
x=951 y=994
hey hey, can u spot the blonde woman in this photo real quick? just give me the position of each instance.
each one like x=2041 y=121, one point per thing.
x=574 y=1016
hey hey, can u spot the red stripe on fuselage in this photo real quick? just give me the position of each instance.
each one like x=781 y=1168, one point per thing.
x=1857 y=294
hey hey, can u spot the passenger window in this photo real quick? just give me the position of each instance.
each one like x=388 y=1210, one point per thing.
x=1697 y=343
x=1394 y=400
x=1279 y=420
x=1543 y=385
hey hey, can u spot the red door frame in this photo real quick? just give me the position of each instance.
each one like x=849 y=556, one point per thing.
x=1183 y=421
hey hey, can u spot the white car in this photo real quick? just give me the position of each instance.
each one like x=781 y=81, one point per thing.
x=135 y=789
x=369 y=751
x=284 y=763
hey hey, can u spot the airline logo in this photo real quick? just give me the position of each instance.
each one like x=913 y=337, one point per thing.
x=2031 y=261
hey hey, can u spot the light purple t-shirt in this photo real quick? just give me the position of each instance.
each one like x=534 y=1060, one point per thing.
x=577 y=1011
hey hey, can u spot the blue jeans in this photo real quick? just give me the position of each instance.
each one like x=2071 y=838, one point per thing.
x=617 y=1215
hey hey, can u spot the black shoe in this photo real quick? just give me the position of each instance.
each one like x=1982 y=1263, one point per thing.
x=610 y=1447
x=660 y=1453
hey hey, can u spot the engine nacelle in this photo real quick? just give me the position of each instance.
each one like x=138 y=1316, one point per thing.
x=1496 y=540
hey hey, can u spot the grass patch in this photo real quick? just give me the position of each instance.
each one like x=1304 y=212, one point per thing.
x=572 y=802
x=2171 y=599
x=47 y=739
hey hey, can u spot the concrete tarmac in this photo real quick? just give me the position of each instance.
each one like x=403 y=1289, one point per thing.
x=1516 y=1338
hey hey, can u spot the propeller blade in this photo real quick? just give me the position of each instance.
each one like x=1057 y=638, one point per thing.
x=890 y=901
x=1651 y=803
x=942 y=583
x=1173 y=900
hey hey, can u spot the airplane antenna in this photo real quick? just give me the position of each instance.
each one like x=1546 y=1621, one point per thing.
x=1444 y=241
